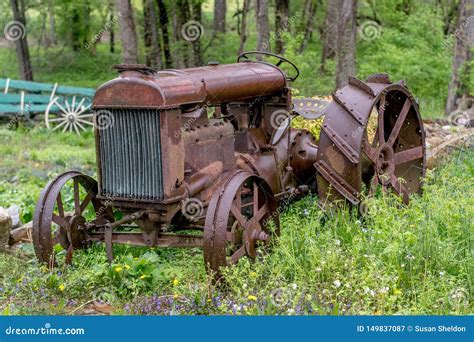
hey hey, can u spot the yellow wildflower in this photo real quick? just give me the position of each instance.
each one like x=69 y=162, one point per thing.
x=175 y=296
x=127 y=267
x=118 y=269
x=253 y=274
x=252 y=297
x=175 y=282
x=142 y=276
x=61 y=287
x=397 y=292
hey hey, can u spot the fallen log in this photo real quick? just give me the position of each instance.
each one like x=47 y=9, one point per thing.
x=435 y=153
x=21 y=234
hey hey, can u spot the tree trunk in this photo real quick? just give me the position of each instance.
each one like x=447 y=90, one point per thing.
x=346 y=42
x=197 y=16
x=282 y=13
x=464 y=38
x=17 y=32
x=263 y=31
x=220 y=9
x=330 y=32
x=182 y=16
x=152 y=48
x=112 y=27
x=164 y=32
x=310 y=9
x=128 y=34
x=243 y=26
x=75 y=27
x=52 y=40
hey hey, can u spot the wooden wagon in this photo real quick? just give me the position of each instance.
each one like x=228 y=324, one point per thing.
x=65 y=108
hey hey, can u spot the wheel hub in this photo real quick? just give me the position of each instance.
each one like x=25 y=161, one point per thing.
x=74 y=234
x=71 y=117
x=385 y=165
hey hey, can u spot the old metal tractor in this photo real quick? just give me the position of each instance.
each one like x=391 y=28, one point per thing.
x=205 y=157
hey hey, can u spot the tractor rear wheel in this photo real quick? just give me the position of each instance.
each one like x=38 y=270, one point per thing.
x=373 y=135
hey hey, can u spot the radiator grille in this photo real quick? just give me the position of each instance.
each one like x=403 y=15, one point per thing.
x=130 y=153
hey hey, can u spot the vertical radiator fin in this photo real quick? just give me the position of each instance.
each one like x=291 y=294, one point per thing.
x=130 y=154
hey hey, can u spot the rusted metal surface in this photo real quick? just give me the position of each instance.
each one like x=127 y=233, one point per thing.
x=213 y=84
x=53 y=225
x=211 y=151
x=238 y=218
x=390 y=152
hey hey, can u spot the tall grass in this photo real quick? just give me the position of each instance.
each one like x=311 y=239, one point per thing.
x=398 y=259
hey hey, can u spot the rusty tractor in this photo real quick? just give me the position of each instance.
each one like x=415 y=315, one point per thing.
x=204 y=157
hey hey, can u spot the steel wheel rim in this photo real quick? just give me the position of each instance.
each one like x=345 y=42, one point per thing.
x=395 y=158
x=345 y=158
x=222 y=246
x=51 y=216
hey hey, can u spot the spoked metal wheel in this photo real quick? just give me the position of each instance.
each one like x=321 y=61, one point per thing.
x=373 y=135
x=395 y=152
x=72 y=115
x=239 y=219
x=62 y=210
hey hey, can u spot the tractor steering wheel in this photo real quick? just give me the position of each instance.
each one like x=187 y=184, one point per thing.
x=244 y=56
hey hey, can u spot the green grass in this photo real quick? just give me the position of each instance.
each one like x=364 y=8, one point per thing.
x=414 y=259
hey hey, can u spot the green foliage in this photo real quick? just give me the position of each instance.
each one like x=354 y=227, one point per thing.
x=410 y=45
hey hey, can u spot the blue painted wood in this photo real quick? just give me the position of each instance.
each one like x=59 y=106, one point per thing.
x=16 y=98
x=35 y=108
x=45 y=87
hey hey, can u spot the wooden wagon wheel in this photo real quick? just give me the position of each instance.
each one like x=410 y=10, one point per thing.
x=372 y=134
x=64 y=205
x=72 y=116
x=238 y=219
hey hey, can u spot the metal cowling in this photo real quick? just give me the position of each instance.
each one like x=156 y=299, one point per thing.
x=130 y=154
